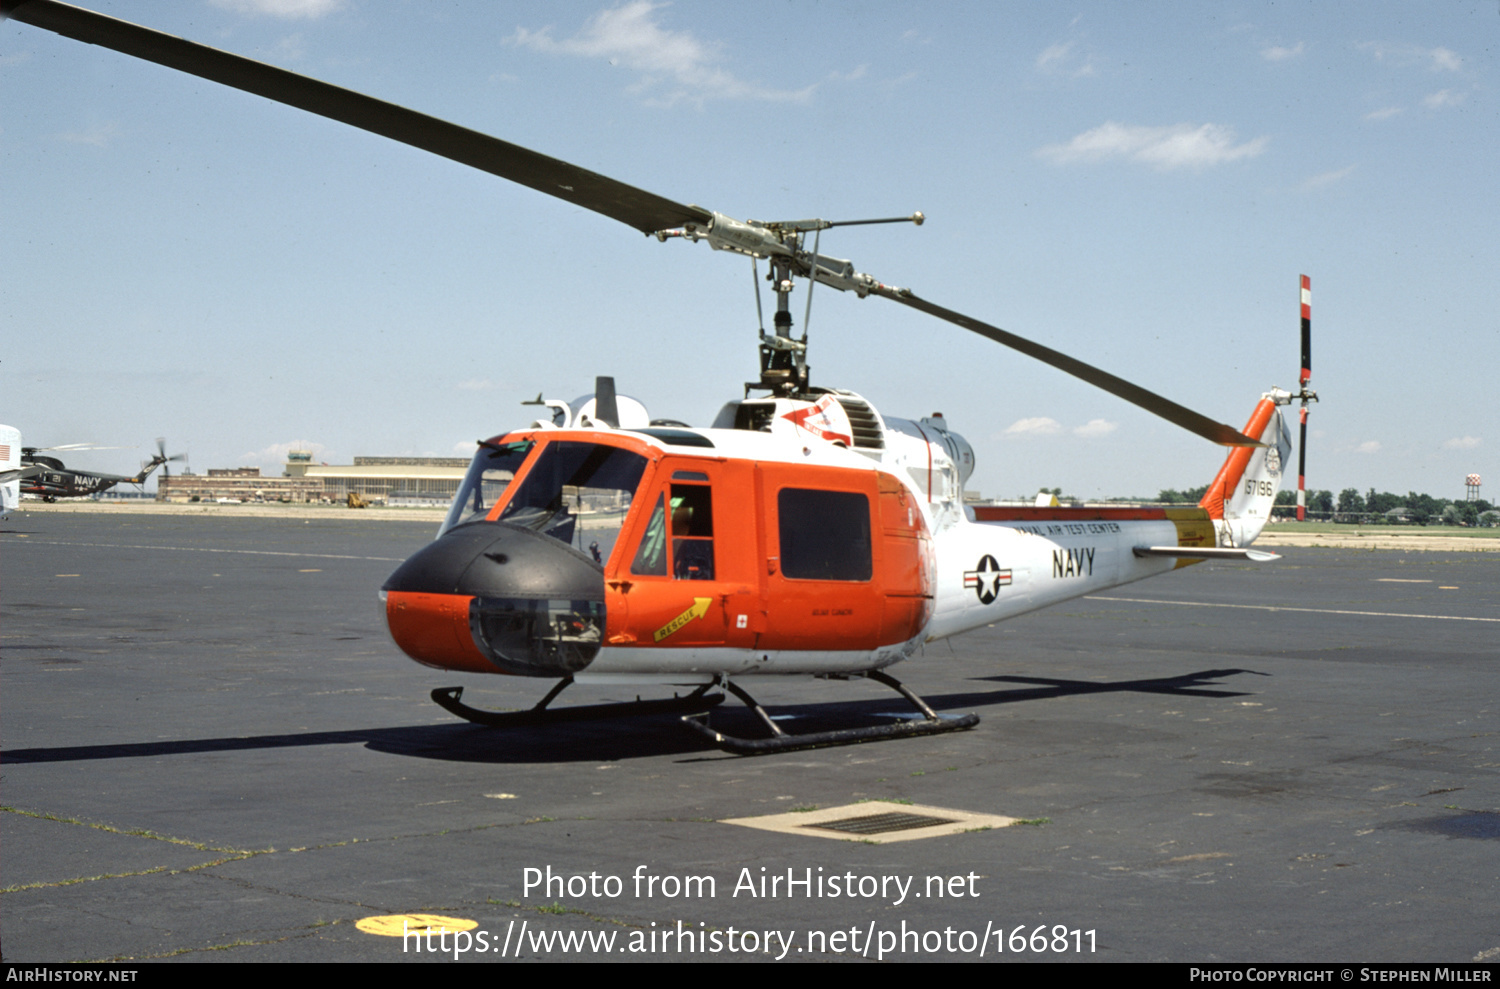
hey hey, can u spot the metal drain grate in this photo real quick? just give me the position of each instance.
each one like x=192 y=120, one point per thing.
x=880 y=823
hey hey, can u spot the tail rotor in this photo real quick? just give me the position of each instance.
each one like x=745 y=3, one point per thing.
x=164 y=460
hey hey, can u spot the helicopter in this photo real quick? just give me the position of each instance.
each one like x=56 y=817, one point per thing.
x=50 y=479
x=801 y=533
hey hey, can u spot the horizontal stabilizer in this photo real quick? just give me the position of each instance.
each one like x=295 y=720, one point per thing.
x=1207 y=553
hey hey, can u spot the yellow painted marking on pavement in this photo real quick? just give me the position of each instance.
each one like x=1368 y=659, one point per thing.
x=309 y=571
x=402 y=924
x=698 y=610
x=68 y=575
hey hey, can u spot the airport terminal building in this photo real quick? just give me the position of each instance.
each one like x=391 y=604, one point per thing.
x=394 y=481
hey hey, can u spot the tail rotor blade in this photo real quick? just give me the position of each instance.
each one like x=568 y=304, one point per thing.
x=1306 y=330
x=1305 y=292
x=1302 y=468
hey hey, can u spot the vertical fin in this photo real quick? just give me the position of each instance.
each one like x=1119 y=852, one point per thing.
x=1241 y=497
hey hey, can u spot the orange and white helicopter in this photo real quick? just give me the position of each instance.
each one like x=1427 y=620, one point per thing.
x=801 y=533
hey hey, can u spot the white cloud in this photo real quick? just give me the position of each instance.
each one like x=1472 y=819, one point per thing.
x=1461 y=443
x=292 y=48
x=285 y=9
x=1327 y=178
x=1445 y=60
x=858 y=72
x=1035 y=426
x=1368 y=446
x=1052 y=56
x=99 y=136
x=1280 y=53
x=1436 y=59
x=673 y=63
x=1442 y=98
x=1095 y=428
x=1163 y=148
x=1064 y=59
x=1384 y=113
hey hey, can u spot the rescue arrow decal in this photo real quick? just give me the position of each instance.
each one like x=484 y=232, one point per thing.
x=698 y=610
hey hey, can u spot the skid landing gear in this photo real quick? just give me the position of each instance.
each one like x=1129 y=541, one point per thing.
x=698 y=702
x=931 y=724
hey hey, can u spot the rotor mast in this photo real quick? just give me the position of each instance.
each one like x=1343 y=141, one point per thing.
x=783 y=359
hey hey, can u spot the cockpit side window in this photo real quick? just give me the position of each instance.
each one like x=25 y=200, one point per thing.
x=490 y=473
x=679 y=537
x=651 y=558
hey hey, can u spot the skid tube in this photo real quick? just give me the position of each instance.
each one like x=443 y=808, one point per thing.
x=698 y=702
x=931 y=724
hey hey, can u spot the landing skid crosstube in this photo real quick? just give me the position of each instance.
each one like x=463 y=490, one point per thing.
x=694 y=703
x=694 y=710
x=931 y=723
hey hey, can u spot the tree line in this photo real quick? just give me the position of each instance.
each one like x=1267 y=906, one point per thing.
x=1351 y=506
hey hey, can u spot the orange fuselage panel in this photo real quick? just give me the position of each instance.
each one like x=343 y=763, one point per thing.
x=720 y=553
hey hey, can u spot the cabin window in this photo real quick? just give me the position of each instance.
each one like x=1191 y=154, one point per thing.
x=825 y=535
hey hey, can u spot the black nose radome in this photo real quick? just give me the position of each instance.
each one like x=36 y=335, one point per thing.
x=538 y=604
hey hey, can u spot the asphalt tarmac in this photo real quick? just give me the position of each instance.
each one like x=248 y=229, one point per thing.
x=211 y=752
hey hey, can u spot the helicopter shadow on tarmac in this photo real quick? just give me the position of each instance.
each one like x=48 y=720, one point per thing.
x=626 y=737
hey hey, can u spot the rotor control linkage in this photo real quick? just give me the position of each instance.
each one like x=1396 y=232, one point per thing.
x=931 y=723
x=695 y=703
x=782 y=239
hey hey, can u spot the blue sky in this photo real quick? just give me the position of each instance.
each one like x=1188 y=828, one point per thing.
x=1138 y=185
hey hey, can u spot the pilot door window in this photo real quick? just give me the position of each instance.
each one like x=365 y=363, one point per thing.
x=679 y=538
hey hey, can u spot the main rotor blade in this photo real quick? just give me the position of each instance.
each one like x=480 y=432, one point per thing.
x=634 y=207
x=1135 y=394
